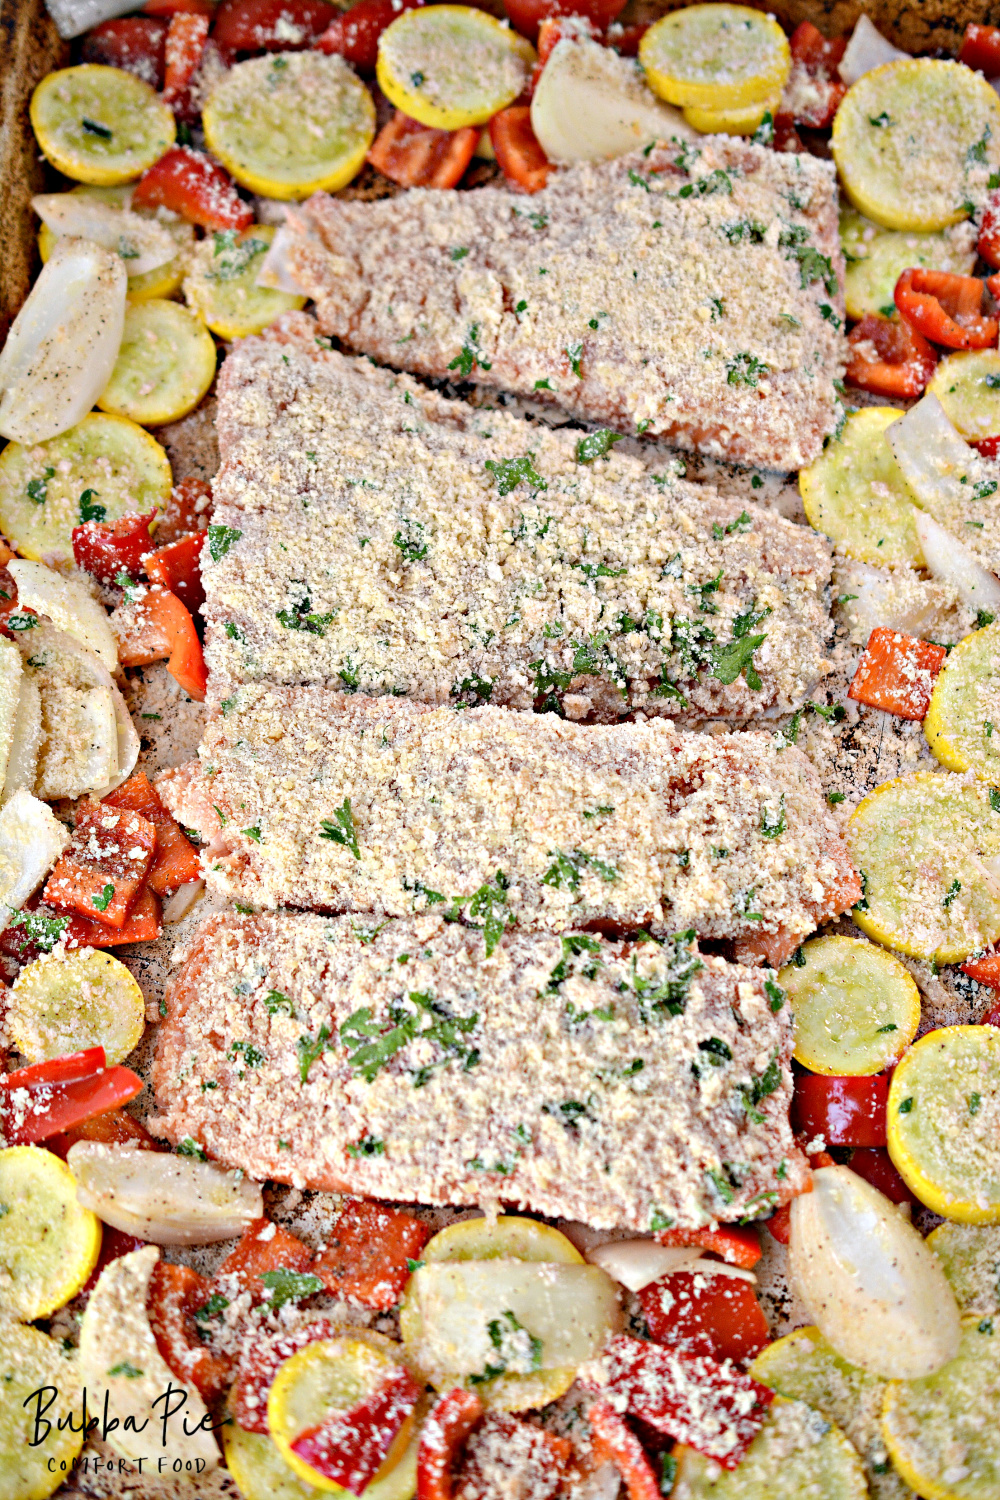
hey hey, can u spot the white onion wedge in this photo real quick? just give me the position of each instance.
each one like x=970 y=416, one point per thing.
x=866 y=50
x=142 y=243
x=121 y=1364
x=937 y=463
x=31 y=840
x=64 y=342
x=11 y=676
x=953 y=563
x=68 y=604
x=871 y=1285
x=74 y=17
x=80 y=751
x=636 y=1263
x=26 y=741
x=177 y=906
x=274 y=271
x=592 y=105
x=172 y=1200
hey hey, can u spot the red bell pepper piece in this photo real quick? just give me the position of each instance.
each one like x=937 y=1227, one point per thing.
x=176 y=861
x=355 y=33
x=554 y=28
x=170 y=8
x=780 y=1224
x=889 y=358
x=714 y=1408
x=108 y=548
x=189 y=508
x=451 y=1419
x=135 y=43
x=989 y=232
x=414 y=155
x=625 y=39
x=706 y=1313
x=844 y=1111
x=517 y=148
x=192 y=185
x=114 y=1128
x=162 y=628
x=264 y=1246
x=896 y=673
x=980 y=49
x=185 y=44
x=527 y=15
x=49 y=1097
x=350 y=1447
x=367 y=1253
x=176 y=1296
x=735 y=1243
x=614 y=1442
x=259 y=1362
x=988 y=447
x=177 y=567
x=992 y=1017
x=810 y=48
x=945 y=307
x=143 y=924
x=875 y=1166
x=269 y=25
x=985 y=970
x=105 y=866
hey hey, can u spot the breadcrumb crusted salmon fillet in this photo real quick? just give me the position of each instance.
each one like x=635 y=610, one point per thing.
x=619 y=1083
x=385 y=538
x=318 y=799
x=693 y=293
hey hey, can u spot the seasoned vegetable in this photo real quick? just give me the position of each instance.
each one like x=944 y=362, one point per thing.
x=967 y=384
x=100 y=125
x=591 y=105
x=744 y=120
x=796 y=1452
x=963 y=720
x=970 y=1255
x=31 y=840
x=143 y=243
x=450 y=66
x=49 y=1243
x=877 y=257
x=855 y=1006
x=30 y=1361
x=258 y=1469
x=845 y=1111
x=165 y=364
x=174 y=1200
x=856 y=493
x=162 y=282
x=896 y=673
x=221 y=285
x=64 y=1003
x=69 y=606
x=716 y=57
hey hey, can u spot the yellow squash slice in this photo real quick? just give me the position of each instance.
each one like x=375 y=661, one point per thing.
x=165 y=365
x=855 y=1007
x=897 y=172
x=292 y=124
x=876 y=258
x=963 y=722
x=804 y=1367
x=162 y=282
x=967 y=384
x=100 y=125
x=942 y=1431
x=716 y=57
x=924 y=844
x=332 y=1374
x=944 y=1122
x=742 y=121
x=65 y=1003
x=449 y=66
x=49 y=1244
x=970 y=1255
x=855 y=493
x=258 y=1469
x=796 y=1453
x=221 y=283
x=42 y=488
x=30 y=1361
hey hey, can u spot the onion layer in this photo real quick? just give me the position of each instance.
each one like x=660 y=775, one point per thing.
x=172 y=1200
x=953 y=563
x=143 y=243
x=866 y=50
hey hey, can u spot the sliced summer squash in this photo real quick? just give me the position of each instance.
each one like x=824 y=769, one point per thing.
x=877 y=257
x=855 y=1007
x=289 y=125
x=716 y=57
x=162 y=282
x=258 y=1469
x=796 y=1453
x=100 y=125
x=42 y=488
x=508 y=1237
x=942 y=1430
x=449 y=66
x=855 y=493
x=944 y=1122
x=742 y=121
x=66 y=1003
x=49 y=1243
x=892 y=169
x=804 y=1367
x=963 y=721
x=967 y=384
x=970 y=1255
x=925 y=845
x=221 y=285
x=165 y=365
x=29 y=1361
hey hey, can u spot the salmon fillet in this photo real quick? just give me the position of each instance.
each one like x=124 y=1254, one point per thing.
x=611 y=1082
x=382 y=537
x=319 y=799
x=692 y=293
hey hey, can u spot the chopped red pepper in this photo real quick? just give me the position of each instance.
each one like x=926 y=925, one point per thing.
x=270 y=25
x=810 y=48
x=844 y=1111
x=135 y=43
x=451 y=1419
x=366 y=1257
x=714 y=1408
x=186 y=40
x=517 y=148
x=540 y=1453
x=143 y=924
x=163 y=628
x=875 y=1166
x=780 y=1223
x=175 y=862
x=735 y=1243
x=113 y=1128
x=105 y=866
x=554 y=28
x=354 y=34
x=351 y=1446
x=176 y=1296
x=189 y=508
x=108 y=548
x=170 y=8
x=527 y=15
x=897 y=672
x=706 y=1313
x=192 y=185
x=889 y=358
x=260 y=1361
x=988 y=447
x=50 y=1097
x=614 y=1442
x=177 y=567
x=980 y=49
x=989 y=230
x=985 y=970
x=945 y=307
x=414 y=155
x=264 y=1246
x=786 y=137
